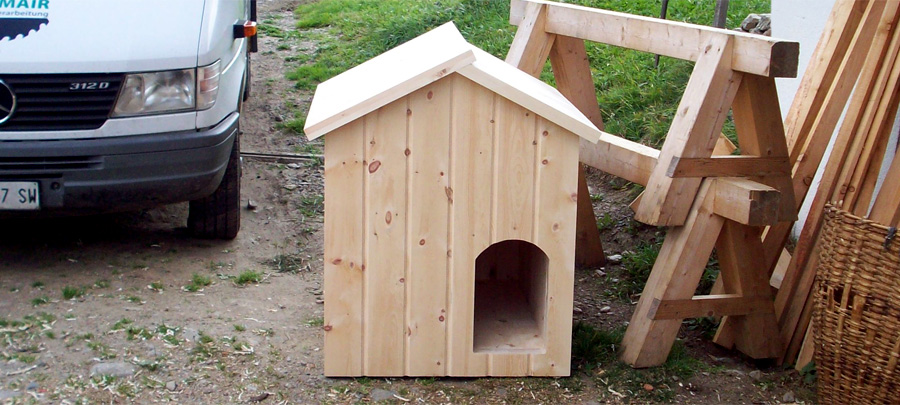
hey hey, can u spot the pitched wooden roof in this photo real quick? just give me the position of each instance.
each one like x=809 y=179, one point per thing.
x=426 y=59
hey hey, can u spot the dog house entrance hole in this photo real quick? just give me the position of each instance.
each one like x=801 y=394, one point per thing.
x=511 y=298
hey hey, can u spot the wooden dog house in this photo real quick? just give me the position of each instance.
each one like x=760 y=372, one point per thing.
x=451 y=184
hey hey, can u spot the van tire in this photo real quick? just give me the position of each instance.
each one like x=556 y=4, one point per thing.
x=219 y=215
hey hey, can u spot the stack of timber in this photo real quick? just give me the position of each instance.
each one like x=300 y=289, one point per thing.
x=856 y=60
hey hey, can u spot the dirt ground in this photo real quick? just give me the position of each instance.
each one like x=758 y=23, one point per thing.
x=254 y=333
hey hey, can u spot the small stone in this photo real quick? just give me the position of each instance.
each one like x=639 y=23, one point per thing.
x=501 y=392
x=290 y=187
x=614 y=259
x=251 y=205
x=735 y=373
x=379 y=394
x=615 y=280
x=756 y=375
x=171 y=386
x=293 y=165
x=648 y=387
x=117 y=369
x=600 y=273
x=765 y=23
x=750 y=22
x=31 y=386
x=191 y=334
x=577 y=310
x=6 y=395
x=789 y=397
x=605 y=309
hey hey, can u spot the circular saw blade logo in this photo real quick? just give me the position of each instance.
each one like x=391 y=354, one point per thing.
x=19 y=18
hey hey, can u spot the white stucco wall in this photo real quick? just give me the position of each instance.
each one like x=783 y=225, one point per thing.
x=803 y=21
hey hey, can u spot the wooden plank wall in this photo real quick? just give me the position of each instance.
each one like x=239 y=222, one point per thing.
x=415 y=191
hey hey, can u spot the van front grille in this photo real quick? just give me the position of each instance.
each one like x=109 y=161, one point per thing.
x=61 y=102
x=12 y=165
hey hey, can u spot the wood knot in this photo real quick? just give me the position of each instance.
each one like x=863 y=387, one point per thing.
x=422 y=242
x=337 y=262
x=402 y=280
x=373 y=167
x=441 y=318
x=449 y=192
x=388 y=217
x=574 y=197
x=545 y=162
x=408 y=111
x=407 y=152
x=555 y=227
x=430 y=95
x=327 y=328
x=545 y=133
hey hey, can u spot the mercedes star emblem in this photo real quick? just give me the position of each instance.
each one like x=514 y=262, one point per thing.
x=7 y=102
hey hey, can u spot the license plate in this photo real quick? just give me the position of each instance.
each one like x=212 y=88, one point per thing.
x=19 y=195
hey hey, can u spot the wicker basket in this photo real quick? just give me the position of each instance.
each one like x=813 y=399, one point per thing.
x=857 y=313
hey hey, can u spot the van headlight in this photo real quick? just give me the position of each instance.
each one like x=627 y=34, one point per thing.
x=168 y=91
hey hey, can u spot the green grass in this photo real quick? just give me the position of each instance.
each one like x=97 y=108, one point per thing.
x=595 y=353
x=605 y=222
x=312 y=206
x=636 y=268
x=70 y=292
x=637 y=99
x=156 y=286
x=198 y=281
x=121 y=324
x=37 y=284
x=247 y=277
x=40 y=301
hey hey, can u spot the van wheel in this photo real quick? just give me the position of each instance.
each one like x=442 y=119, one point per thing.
x=219 y=215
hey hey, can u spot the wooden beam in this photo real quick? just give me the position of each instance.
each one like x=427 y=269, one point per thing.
x=588 y=245
x=709 y=305
x=729 y=166
x=821 y=72
x=693 y=134
x=531 y=46
x=572 y=70
x=675 y=275
x=777 y=277
x=620 y=157
x=754 y=54
x=760 y=132
x=835 y=101
x=886 y=209
x=742 y=263
x=746 y=202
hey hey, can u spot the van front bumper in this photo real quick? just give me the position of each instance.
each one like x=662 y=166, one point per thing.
x=121 y=173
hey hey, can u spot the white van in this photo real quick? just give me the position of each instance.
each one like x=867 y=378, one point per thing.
x=110 y=105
